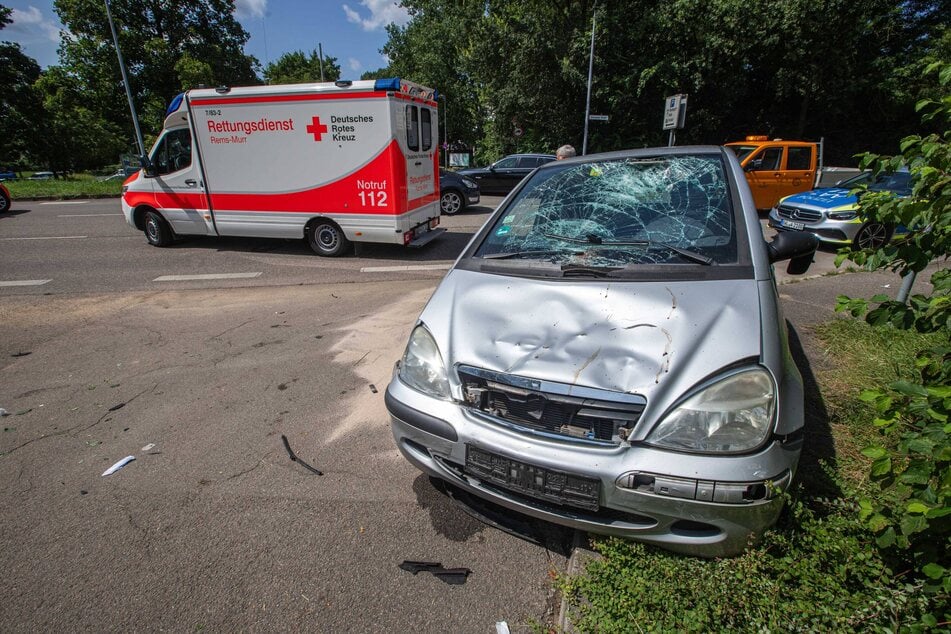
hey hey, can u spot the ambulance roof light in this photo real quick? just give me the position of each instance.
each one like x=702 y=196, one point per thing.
x=343 y=83
x=392 y=83
x=221 y=90
x=176 y=103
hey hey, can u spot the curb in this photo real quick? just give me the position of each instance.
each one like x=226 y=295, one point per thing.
x=89 y=197
x=580 y=554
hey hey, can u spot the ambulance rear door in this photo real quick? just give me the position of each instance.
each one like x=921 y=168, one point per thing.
x=418 y=140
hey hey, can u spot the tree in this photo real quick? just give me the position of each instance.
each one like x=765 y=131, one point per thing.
x=298 y=68
x=912 y=462
x=19 y=103
x=167 y=47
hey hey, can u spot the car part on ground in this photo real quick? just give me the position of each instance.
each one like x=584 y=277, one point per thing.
x=580 y=364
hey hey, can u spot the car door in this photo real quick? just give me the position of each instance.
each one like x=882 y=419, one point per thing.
x=179 y=191
x=501 y=174
x=764 y=173
x=797 y=174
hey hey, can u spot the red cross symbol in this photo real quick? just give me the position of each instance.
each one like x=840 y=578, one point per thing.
x=316 y=128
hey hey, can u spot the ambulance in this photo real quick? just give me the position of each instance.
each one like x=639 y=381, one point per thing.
x=332 y=163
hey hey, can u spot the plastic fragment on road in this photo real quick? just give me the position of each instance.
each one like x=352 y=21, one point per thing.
x=3 y=412
x=501 y=627
x=373 y=388
x=116 y=407
x=452 y=576
x=118 y=465
x=294 y=458
x=149 y=447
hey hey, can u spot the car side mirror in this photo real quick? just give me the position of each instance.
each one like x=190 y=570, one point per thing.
x=148 y=167
x=753 y=165
x=795 y=246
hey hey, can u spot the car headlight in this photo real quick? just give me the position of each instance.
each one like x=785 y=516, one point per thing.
x=843 y=215
x=422 y=367
x=468 y=182
x=733 y=415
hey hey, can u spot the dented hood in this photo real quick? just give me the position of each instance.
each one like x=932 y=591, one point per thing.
x=657 y=339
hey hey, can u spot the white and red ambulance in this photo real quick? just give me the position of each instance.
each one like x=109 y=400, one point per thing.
x=332 y=163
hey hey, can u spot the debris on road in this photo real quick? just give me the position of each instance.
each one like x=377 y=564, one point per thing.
x=502 y=627
x=115 y=408
x=20 y=354
x=294 y=458
x=148 y=447
x=118 y=465
x=373 y=388
x=3 y=412
x=452 y=576
x=24 y=411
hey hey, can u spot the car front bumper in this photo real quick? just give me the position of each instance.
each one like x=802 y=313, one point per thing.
x=696 y=505
x=831 y=231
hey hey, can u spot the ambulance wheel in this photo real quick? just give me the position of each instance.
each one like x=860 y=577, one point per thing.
x=451 y=202
x=872 y=235
x=157 y=231
x=326 y=238
x=4 y=202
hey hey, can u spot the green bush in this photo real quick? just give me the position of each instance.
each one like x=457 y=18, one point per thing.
x=816 y=571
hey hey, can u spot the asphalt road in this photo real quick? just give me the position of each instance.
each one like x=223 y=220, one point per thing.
x=212 y=527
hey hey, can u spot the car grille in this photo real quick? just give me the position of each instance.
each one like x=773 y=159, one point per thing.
x=795 y=213
x=548 y=408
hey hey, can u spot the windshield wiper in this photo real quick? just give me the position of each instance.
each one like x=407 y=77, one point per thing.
x=581 y=270
x=595 y=240
x=522 y=254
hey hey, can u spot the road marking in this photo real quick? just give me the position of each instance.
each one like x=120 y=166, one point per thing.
x=206 y=276
x=25 y=282
x=66 y=202
x=84 y=215
x=408 y=267
x=48 y=238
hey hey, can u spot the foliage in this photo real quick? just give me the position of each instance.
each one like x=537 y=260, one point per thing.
x=298 y=68
x=846 y=70
x=18 y=101
x=911 y=511
x=814 y=572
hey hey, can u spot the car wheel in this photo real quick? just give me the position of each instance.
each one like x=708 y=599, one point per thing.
x=157 y=231
x=4 y=202
x=326 y=238
x=451 y=202
x=872 y=235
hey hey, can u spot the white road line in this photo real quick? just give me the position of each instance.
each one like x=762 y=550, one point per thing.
x=207 y=276
x=25 y=282
x=84 y=215
x=408 y=267
x=66 y=202
x=48 y=238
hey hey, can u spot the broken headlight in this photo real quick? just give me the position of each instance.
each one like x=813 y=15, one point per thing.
x=733 y=415
x=422 y=367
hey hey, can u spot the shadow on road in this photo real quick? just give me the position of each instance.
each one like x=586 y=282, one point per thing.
x=13 y=212
x=819 y=446
x=458 y=515
x=446 y=247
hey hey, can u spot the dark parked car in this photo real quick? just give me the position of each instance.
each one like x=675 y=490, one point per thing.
x=502 y=176
x=456 y=192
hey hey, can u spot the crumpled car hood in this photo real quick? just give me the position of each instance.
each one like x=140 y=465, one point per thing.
x=657 y=339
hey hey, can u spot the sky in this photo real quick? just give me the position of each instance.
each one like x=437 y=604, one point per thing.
x=352 y=31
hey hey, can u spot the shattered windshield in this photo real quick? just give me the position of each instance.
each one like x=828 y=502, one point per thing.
x=620 y=213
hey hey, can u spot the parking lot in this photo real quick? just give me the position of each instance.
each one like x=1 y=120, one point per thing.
x=196 y=360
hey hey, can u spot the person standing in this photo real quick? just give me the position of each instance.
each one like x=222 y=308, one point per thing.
x=565 y=151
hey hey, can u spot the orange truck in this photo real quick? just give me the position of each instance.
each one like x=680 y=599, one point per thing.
x=777 y=168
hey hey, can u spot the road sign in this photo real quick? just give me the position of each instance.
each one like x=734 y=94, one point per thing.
x=598 y=117
x=675 y=112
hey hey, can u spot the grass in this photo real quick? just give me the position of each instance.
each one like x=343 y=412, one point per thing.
x=75 y=186
x=816 y=570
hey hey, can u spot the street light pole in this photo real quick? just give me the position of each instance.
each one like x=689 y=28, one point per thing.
x=128 y=91
x=587 y=106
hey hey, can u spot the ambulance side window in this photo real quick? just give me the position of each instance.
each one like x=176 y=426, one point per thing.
x=426 y=127
x=174 y=153
x=412 y=128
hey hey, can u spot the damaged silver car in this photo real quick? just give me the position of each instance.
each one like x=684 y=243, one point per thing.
x=608 y=353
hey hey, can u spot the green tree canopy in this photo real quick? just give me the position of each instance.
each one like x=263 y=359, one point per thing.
x=299 y=68
x=20 y=107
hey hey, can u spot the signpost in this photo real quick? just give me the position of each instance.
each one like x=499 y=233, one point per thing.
x=598 y=117
x=675 y=114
